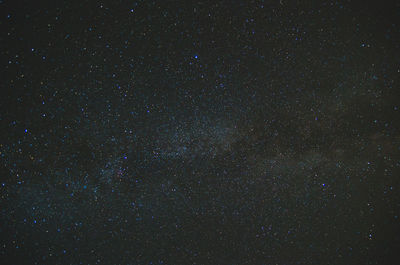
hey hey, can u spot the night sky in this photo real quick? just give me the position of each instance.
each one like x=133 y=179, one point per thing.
x=212 y=132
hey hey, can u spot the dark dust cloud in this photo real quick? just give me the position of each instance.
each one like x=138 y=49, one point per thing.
x=209 y=132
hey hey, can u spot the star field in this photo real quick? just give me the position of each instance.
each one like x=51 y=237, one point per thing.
x=213 y=132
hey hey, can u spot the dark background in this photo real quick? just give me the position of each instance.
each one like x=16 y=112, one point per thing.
x=216 y=132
